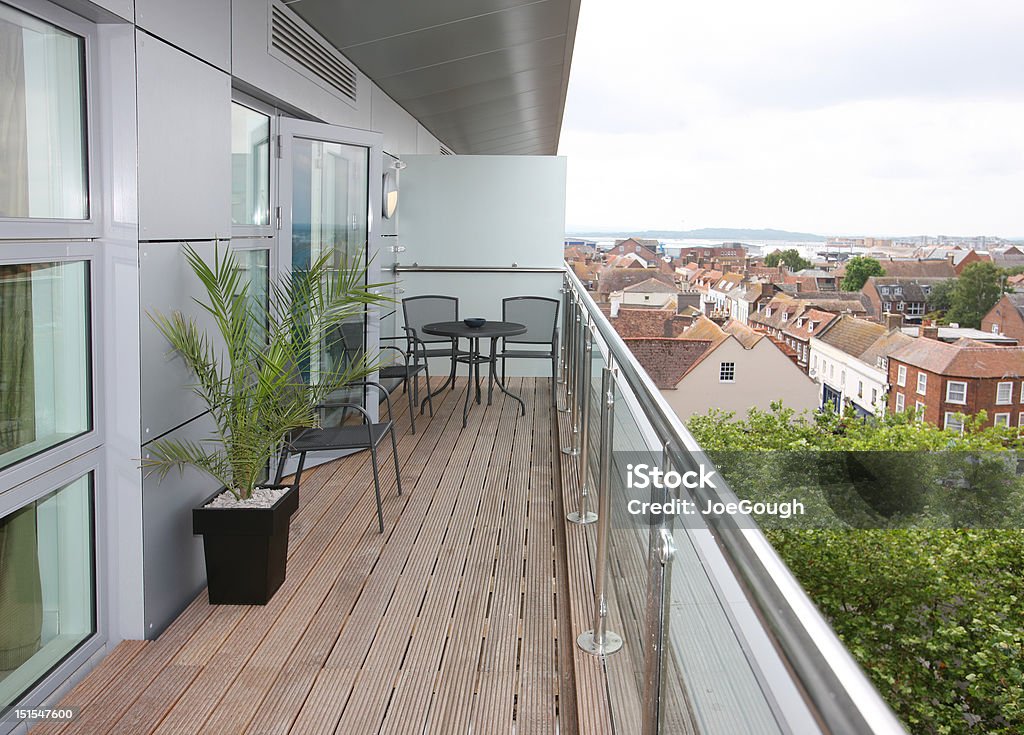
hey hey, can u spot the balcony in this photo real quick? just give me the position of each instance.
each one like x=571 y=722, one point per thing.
x=481 y=609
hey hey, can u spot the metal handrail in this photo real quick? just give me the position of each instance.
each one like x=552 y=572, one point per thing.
x=837 y=689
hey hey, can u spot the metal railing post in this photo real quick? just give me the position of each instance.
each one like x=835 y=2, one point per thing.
x=570 y=348
x=600 y=641
x=660 y=549
x=563 y=332
x=584 y=515
x=573 y=382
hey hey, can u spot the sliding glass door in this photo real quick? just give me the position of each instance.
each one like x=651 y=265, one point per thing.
x=329 y=206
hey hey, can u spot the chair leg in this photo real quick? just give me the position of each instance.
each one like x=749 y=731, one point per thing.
x=430 y=396
x=412 y=411
x=451 y=377
x=298 y=470
x=398 y=470
x=376 y=486
x=282 y=458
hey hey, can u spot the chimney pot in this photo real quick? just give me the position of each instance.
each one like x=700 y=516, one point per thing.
x=893 y=321
x=929 y=332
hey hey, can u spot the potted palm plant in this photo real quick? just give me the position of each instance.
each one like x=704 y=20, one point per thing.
x=250 y=380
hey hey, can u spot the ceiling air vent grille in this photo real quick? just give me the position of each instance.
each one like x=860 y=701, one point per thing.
x=446 y=152
x=290 y=37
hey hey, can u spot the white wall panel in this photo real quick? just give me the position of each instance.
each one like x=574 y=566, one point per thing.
x=175 y=571
x=184 y=145
x=201 y=27
x=167 y=284
x=425 y=141
x=483 y=211
x=123 y=8
x=397 y=125
x=251 y=62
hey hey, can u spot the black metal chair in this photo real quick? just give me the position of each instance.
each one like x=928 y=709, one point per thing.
x=539 y=315
x=420 y=311
x=366 y=435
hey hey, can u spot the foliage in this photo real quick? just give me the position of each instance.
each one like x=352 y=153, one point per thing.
x=789 y=258
x=933 y=611
x=858 y=270
x=940 y=298
x=248 y=370
x=977 y=290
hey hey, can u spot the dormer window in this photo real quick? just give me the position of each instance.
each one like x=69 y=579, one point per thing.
x=884 y=290
x=785 y=316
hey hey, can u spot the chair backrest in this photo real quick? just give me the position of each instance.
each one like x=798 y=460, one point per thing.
x=420 y=310
x=538 y=314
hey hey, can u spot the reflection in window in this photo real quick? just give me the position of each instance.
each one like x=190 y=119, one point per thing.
x=46 y=585
x=42 y=96
x=44 y=356
x=250 y=166
x=255 y=268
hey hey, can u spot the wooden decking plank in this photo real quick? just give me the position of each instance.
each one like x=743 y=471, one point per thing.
x=462 y=615
x=95 y=683
x=436 y=593
x=147 y=711
x=497 y=689
x=464 y=629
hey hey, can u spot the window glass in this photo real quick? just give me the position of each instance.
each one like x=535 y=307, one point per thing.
x=1001 y=419
x=956 y=392
x=1004 y=393
x=42 y=120
x=255 y=267
x=727 y=372
x=44 y=357
x=47 y=587
x=250 y=166
x=922 y=383
x=954 y=422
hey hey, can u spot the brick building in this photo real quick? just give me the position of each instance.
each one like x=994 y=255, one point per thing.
x=940 y=380
x=1006 y=317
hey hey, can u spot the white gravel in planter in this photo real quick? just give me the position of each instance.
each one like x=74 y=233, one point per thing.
x=262 y=497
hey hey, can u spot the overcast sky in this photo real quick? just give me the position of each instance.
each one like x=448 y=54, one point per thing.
x=870 y=117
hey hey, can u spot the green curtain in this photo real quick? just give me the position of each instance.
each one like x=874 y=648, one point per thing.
x=21 y=596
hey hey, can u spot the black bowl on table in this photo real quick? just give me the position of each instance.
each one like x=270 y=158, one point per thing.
x=474 y=323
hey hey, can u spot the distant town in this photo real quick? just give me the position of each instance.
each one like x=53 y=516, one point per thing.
x=932 y=325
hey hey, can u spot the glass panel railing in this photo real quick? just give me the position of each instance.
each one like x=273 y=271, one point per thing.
x=702 y=627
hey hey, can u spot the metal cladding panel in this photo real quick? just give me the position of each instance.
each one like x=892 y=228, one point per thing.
x=184 y=145
x=173 y=566
x=494 y=65
x=201 y=27
x=349 y=22
x=447 y=62
x=468 y=39
x=167 y=284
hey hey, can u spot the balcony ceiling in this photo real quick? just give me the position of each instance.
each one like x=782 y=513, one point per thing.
x=484 y=76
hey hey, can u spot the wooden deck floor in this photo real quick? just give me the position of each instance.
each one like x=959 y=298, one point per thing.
x=455 y=620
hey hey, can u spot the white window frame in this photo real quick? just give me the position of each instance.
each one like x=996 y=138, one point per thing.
x=1001 y=419
x=270 y=229
x=919 y=409
x=722 y=370
x=922 y=383
x=901 y=376
x=1004 y=393
x=1020 y=419
x=958 y=424
x=949 y=387
x=901 y=402
x=38 y=228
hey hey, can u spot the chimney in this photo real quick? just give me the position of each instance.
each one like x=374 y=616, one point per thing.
x=893 y=321
x=929 y=332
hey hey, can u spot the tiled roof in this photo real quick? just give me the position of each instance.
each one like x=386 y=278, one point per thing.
x=651 y=285
x=918 y=268
x=618 y=278
x=667 y=360
x=813 y=321
x=885 y=346
x=964 y=358
x=743 y=334
x=911 y=289
x=852 y=335
x=705 y=329
x=632 y=322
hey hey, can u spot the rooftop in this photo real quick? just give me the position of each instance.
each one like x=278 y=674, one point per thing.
x=965 y=359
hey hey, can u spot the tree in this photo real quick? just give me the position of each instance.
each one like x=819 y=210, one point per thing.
x=977 y=290
x=940 y=298
x=789 y=258
x=858 y=270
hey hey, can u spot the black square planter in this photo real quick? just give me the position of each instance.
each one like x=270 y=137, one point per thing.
x=246 y=548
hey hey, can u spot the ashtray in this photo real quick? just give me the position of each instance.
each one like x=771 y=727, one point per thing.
x=474 y=323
